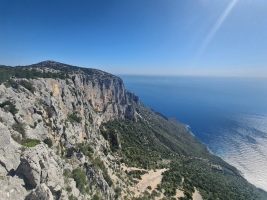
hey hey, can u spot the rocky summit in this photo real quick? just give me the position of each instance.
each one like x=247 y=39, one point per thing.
x=76 y=133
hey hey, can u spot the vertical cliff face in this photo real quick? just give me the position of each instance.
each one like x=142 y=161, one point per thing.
x=63 y=106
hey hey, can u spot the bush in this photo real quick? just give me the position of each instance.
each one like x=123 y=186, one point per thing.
x=96 y=197
x=74 y=118
x=117 y=192
x=112 y=137
x=12 y=83
x=71 y=197
x=49 y=142
x=67 y=173
x=30 y=142
x=136 y=173
x=86 y=149
x=20 y=128
x=99 y=163
x=8 y=106
x=80 y=178
x=28 y=85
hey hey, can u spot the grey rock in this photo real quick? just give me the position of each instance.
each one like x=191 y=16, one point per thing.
x=38 y=165
x=9 y=150
x=12 y=188
x=41 y=192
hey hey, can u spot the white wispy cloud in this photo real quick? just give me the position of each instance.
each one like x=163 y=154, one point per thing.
x=217 y=26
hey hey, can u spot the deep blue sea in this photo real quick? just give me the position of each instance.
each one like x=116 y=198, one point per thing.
x=229 y=115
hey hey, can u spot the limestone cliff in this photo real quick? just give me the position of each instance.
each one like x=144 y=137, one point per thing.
x=63 y=112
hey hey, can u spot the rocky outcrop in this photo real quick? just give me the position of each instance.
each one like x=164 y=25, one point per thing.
x=44 y=116
x=41 y=192
x=41 y=165
x=12 y=188
x=9 y=151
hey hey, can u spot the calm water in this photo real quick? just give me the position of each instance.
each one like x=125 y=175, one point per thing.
x=227 y=114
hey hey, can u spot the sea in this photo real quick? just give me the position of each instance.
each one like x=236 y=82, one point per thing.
x=229 y=115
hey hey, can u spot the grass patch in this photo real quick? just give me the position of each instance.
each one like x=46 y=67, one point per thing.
x=30 y=142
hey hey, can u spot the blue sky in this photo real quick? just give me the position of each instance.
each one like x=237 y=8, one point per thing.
x=153 y=37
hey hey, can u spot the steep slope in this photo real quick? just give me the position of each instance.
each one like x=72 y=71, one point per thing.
x=76 y=133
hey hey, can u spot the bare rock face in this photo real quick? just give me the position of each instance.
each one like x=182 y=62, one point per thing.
x=12 y=188
x=9 y=151
x=41 y=192
x=38 y=165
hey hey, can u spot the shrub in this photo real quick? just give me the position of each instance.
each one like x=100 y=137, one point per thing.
x=49 y=142
x=73 y=117
x=136 y=173
x=20 y=128
x=86 y=149
x=117 y=192
x=80 y=177
x=30 y=142
x=67 y=173
x=99 y=163
x=8 y=106
x=96 y=197
x=28 y=85
x=12 y=83
x=71 y=197
x=112 y=137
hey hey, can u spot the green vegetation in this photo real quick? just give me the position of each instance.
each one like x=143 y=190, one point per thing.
x=48 y=141
x=74 y=118
x=71 y=197
x=8 y=106
x=7 y=73
x=112 y=137
x=100 y=165
x=80 y=178
x=136 y=173
x=151 y=142
x=117 y=192
x=28 y=85
x=86 y=149
x=30 y=142
x=96 y=197
x=12 y=83
x=20 y=128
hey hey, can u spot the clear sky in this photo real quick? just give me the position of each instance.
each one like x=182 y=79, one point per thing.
x=163 y=37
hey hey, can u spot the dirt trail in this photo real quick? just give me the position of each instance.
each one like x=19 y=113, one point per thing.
x=152 y=179
x=197 y=195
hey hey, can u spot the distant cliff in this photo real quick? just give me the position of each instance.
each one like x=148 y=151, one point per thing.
x=77 y=133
